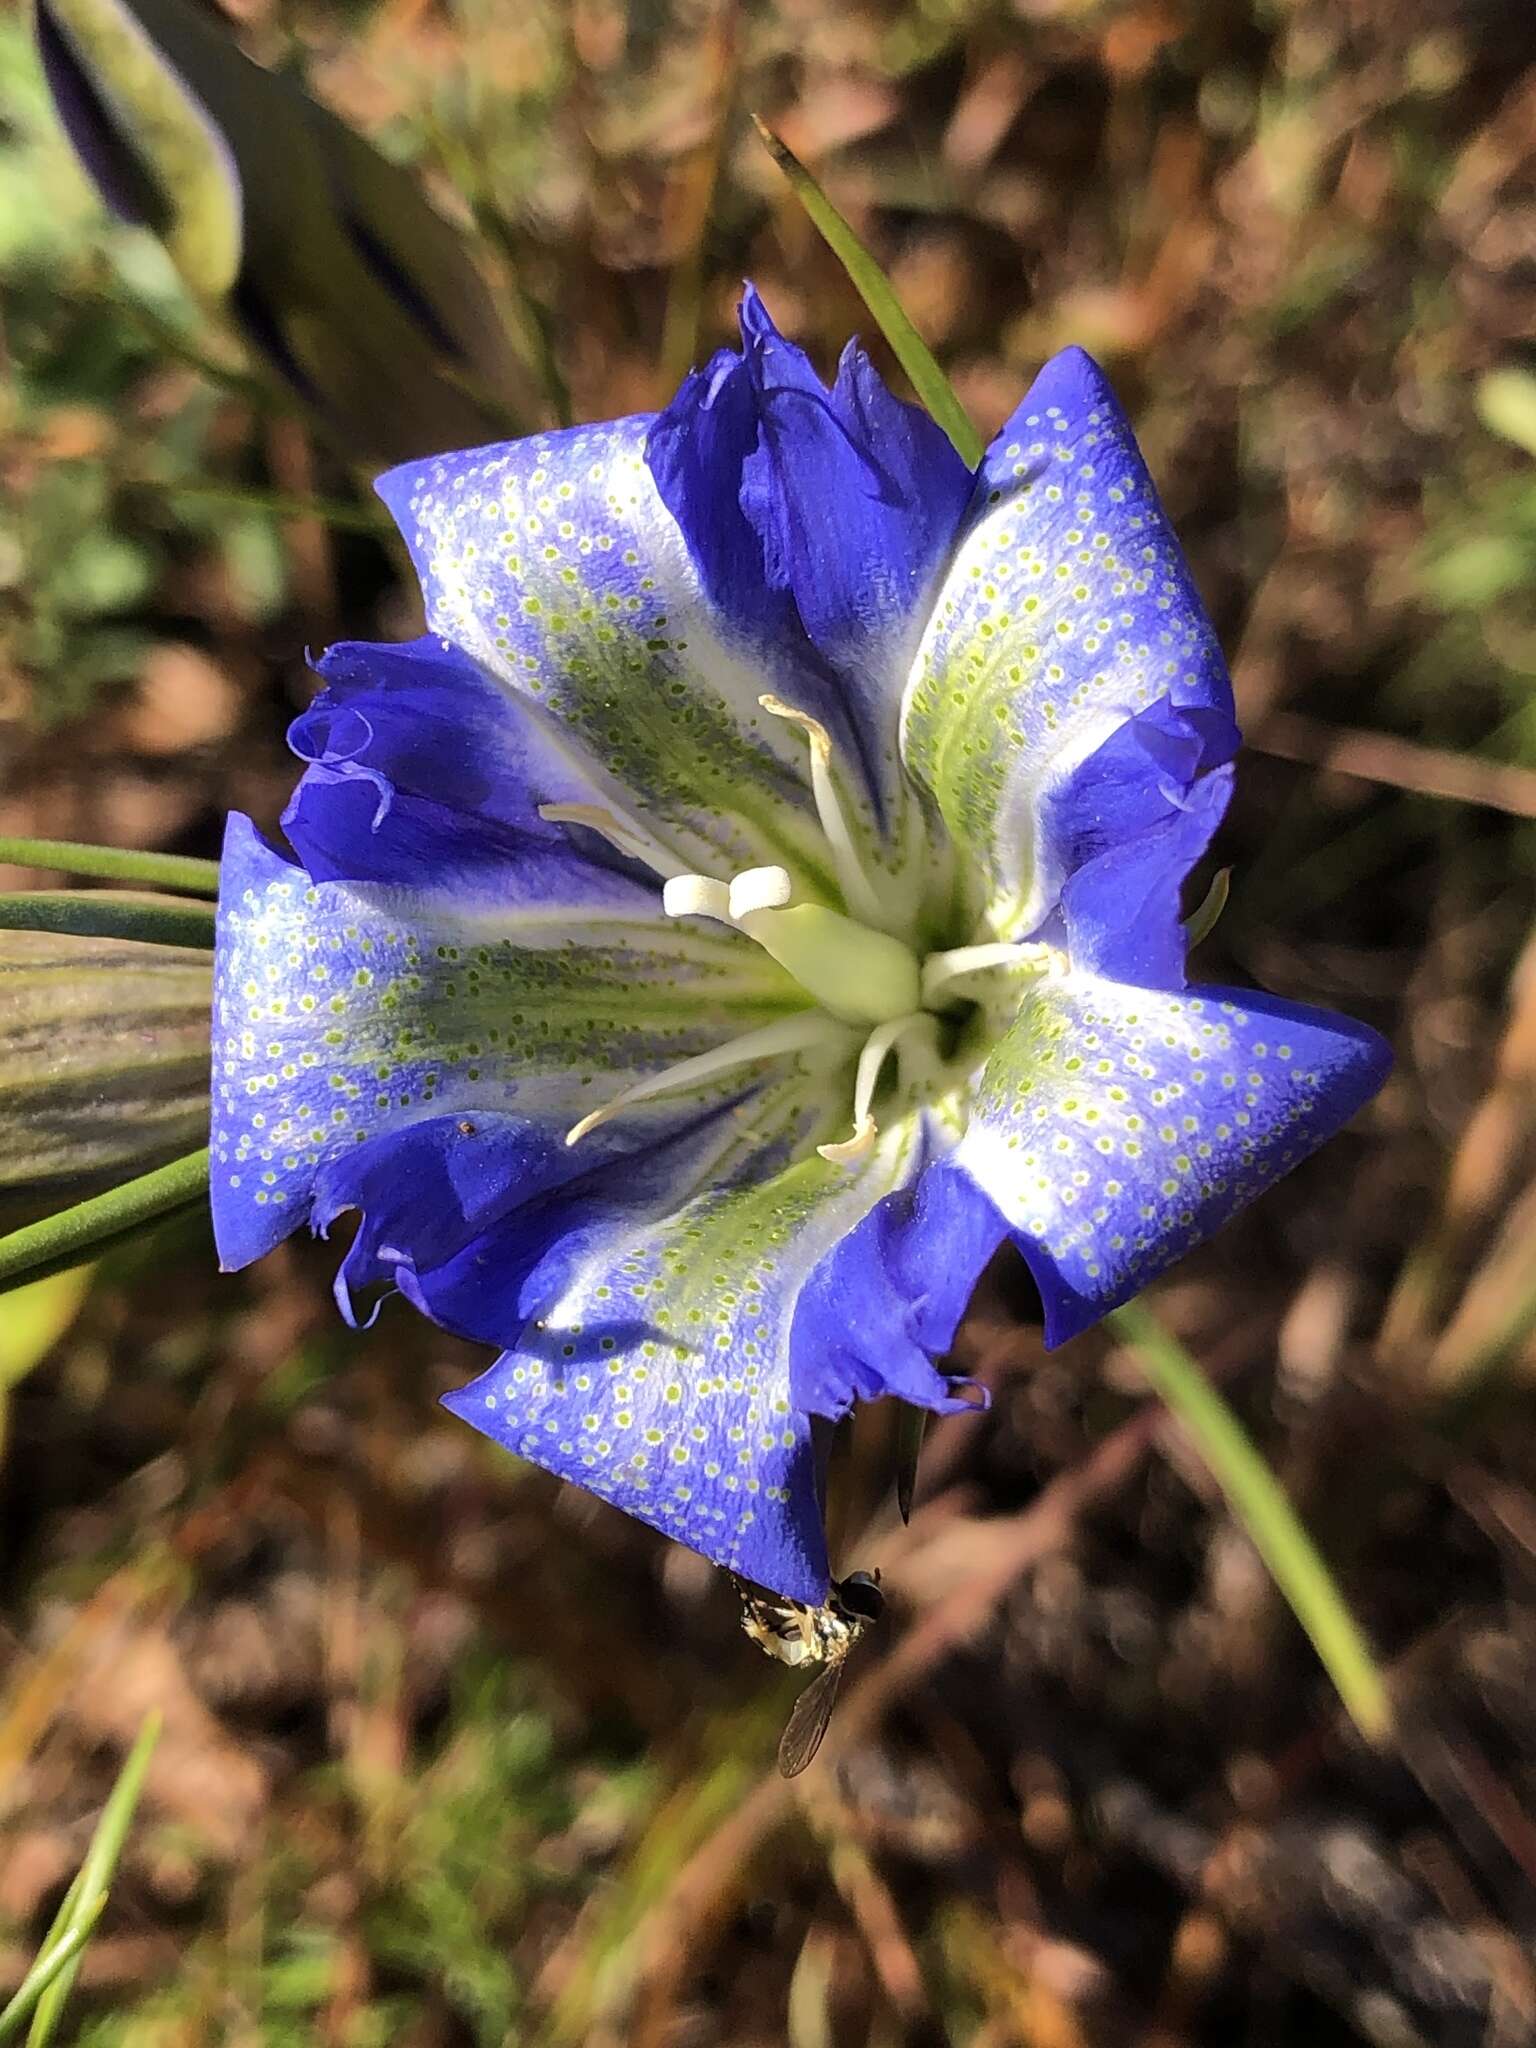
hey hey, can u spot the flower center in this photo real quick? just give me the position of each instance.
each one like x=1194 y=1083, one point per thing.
x=857 y=976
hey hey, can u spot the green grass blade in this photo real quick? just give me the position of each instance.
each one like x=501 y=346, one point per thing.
x=87 y=1895
x=1255 y=1497
x=910 y=1426
x=115 y=864
x=80 y=1233
x=873 y=287
x=276 y=504
x=46 y=1970
x=101 y=914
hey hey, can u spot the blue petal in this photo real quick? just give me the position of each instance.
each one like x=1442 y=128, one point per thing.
x=554 y=564
x=831 y=511
x=426 y=775
x=887 y=1301
x=455 y=1213
x=562 y=1413
x=1114 y=1128
x=1067 y=609
x=697 y=450
x=343 y=1011
x=656 y=1373
x=475 y=1220
x=1125 y=829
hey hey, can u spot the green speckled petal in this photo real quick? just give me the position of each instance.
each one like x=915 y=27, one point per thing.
x=658 y=1376
x=1067 y=609
x=554 y=564
x=342 y=1010
x=1114 y=1128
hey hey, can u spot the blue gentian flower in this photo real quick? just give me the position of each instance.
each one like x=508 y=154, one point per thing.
x=755 y=903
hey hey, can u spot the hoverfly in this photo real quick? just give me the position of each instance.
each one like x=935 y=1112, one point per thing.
x=823 y=1635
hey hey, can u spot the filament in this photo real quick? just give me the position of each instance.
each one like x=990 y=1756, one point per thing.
x=788 y=1034
x=941 y=971
x=622 y=833
x=859 y=892
x=877 y=1048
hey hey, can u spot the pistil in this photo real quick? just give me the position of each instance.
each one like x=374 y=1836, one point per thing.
x=859 y=975
x=951 y=975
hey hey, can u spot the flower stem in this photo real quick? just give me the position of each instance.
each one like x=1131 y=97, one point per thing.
x=1255 y=1497
x=115 y=864
x=77 y=1234
x=100 y=914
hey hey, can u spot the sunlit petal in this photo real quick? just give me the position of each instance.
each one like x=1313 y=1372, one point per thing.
x=656 y=1373
x=1066 y=610
x=1114 y=1128
x=344 y=1011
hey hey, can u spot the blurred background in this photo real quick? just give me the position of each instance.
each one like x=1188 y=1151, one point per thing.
x=454 y=1756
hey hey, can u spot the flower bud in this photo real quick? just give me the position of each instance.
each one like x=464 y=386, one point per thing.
x=103 y=1065
x=345 y=282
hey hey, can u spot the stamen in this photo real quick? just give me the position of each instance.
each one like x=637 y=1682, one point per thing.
x=623 y=833
x=942 y=970
x=848 y=1151
x=877 y=1048
x=788 y=1034
x=859 y=892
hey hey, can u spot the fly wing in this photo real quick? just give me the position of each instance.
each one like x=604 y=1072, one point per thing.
x=807 y=1722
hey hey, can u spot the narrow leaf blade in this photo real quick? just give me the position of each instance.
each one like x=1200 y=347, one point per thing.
x=115 y=864
x=1260 y=1505
x=105 y=914
x=87 y=1895
x=870 y=281
x=81 y=1233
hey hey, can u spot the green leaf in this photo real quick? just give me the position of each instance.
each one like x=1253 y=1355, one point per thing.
x=153 y=147
x=104 y=914
x=84 y=1231
x=1273 y=1527
x=910 y=1426
x=49 y=1966
x=115 y=864
x=59 y=1963
x=35 y=1318
x=869 y=280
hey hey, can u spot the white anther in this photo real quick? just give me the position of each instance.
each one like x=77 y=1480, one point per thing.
x=847 y=1151
x=696 y=896
x=759 y=889
x=877 y=1047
